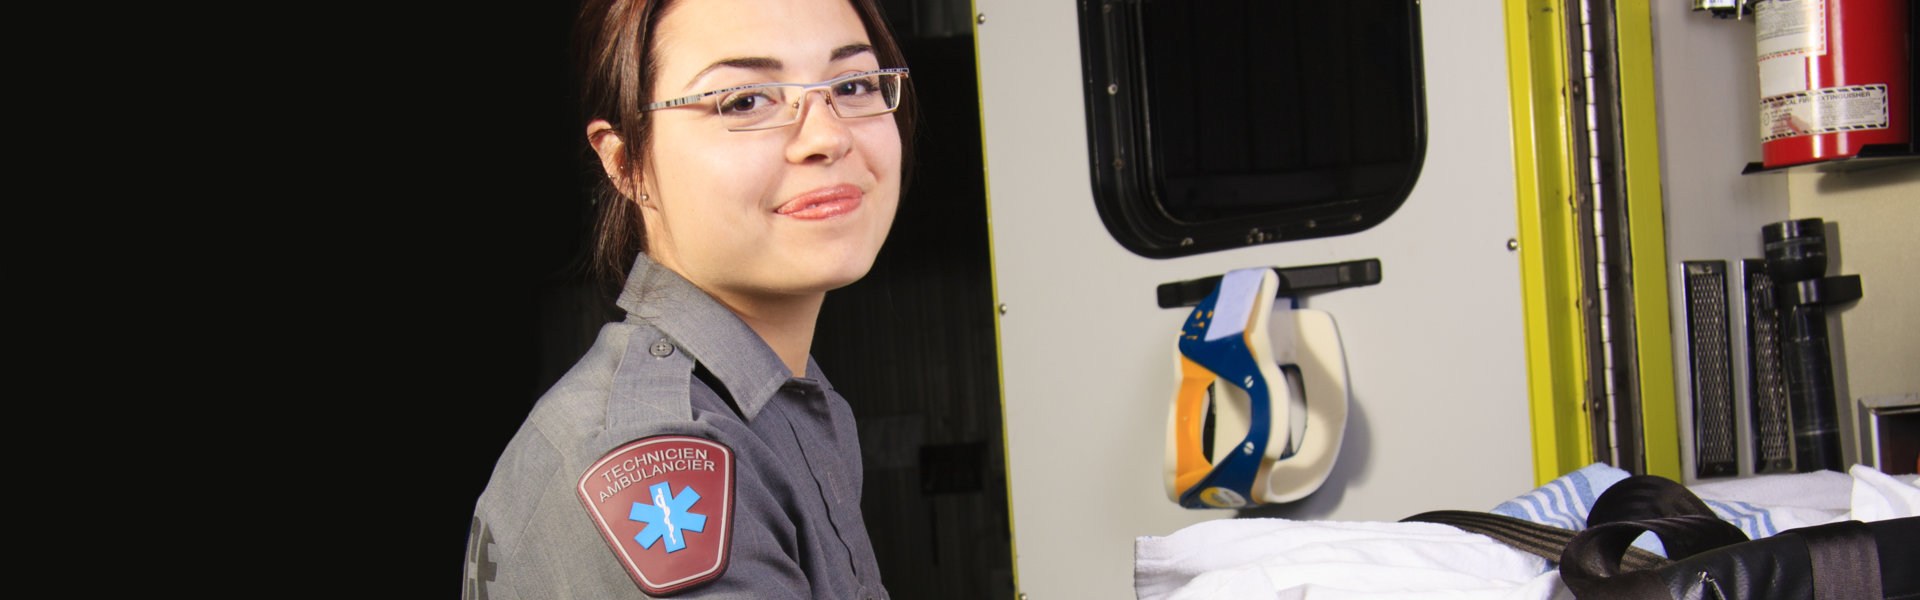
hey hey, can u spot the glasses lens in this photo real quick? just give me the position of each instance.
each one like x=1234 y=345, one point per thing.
x=755 y=107
x=866 y=95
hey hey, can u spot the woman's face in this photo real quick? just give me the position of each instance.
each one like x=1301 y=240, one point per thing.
x=794 y=210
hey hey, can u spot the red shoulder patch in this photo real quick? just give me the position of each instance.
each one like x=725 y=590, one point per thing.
x=665 y=506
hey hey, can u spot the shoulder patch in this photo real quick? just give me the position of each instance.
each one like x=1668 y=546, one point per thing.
x=665 y=506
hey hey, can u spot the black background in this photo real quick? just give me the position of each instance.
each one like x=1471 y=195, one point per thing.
x=456 y=210
x=304 y=270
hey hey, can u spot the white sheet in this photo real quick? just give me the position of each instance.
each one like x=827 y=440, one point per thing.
x=1326 y=560
x=1278 y=558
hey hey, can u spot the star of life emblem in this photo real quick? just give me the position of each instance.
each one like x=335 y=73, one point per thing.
x=659 y=517
x=664 y=506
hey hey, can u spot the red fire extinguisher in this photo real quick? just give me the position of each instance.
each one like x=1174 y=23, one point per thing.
x=1833 y=77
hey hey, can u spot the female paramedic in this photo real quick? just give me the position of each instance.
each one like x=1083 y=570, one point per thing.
x=753 y=155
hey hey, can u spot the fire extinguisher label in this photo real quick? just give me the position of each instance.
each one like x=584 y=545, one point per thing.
x=1826 y=110
x=1790 y=28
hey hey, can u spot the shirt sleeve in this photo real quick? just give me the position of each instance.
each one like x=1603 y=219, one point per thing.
x=543 y=544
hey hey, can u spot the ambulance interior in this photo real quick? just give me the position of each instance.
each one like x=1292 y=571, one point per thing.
x=1496 y=211
x=1433 y=139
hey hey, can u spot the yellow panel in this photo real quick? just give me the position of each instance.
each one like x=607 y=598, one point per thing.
x=1646 y=226
x=1549 y=255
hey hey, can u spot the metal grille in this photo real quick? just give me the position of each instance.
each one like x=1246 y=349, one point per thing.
x=1772 y=423
x=1715 y=452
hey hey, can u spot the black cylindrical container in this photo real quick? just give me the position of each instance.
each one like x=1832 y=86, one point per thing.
x=1797 y=252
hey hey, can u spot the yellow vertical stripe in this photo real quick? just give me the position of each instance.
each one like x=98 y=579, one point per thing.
x=1549 y=251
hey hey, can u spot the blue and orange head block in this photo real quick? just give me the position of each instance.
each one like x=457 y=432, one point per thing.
x=1276 y=379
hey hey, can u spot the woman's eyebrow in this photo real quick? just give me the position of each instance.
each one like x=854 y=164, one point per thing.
x=850 y=50
x=763 y=63
x=757 y=63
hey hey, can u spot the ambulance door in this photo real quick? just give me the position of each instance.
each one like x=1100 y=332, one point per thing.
x=1435 y=351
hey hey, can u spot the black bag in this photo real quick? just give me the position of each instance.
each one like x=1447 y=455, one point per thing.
x=1707 y=558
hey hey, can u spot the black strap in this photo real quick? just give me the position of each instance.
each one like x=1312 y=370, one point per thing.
x=1640 y=497
x=1545 y=541
x=1846 y=562
x=1593 y=567
x=1898 y=555
x=1840 y=561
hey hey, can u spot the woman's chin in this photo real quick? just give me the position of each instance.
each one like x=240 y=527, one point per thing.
x=812 y=277
x=832 y=266
x=840 y=276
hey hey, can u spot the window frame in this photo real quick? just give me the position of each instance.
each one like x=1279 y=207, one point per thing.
x=1128 y=182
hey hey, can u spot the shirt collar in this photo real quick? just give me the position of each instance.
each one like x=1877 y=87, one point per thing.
x=714 y=336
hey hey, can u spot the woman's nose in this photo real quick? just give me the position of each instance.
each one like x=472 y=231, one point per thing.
x=822 y=135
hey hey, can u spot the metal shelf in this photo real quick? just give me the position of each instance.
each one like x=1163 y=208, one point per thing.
x=1871 y=156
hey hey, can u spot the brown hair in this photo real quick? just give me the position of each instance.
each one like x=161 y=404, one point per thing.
x=615 y=56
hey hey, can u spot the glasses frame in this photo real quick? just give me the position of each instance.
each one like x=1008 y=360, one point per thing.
x=799 y=111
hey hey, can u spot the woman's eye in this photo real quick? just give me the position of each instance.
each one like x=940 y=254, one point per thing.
x=855 y=87
x=744 y=103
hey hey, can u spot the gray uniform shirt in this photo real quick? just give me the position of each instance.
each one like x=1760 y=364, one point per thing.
x=680 y=364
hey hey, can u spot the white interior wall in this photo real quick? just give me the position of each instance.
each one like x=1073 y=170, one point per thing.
x=1707 y=88
x=1874 y=214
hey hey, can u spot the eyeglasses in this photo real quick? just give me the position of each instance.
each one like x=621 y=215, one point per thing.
x=770 y=105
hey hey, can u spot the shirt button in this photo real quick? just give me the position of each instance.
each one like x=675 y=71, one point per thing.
x=661 y=349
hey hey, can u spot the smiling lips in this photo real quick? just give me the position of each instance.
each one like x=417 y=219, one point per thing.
x=823 y=203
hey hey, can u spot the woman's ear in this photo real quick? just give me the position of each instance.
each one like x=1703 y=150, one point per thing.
x=613 y=154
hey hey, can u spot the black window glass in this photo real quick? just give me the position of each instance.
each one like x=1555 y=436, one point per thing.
x=1221 y=123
